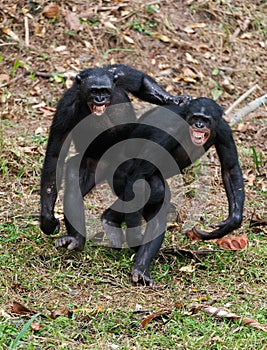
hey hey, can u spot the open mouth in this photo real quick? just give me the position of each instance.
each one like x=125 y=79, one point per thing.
x=199 y=136
x=97 y=109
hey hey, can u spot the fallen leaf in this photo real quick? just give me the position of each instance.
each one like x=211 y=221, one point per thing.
x=191 y=28
x=64 y=311
x=233 y=243
x=4 y=314
x=50 y=11
x=161 y=37
x=251 y=180
x=190 y=58
x=10 y=33
x=191 y=235
x=36 y=326
x=151 y=317
x=188 y=268
x=20 y=309
x=4 y=78
x=73 y=21
x=128 y=39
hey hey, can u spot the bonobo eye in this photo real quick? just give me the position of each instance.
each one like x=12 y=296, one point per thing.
x=78 y=79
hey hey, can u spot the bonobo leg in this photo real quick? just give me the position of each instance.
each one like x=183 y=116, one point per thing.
x=155 y=213
x=80 y=179
x=112 y=221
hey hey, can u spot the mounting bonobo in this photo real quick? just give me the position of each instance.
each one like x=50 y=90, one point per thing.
x=185 y=128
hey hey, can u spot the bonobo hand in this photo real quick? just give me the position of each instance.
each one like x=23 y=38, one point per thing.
x=71 y=242
x=49 y=224
x=179 y=100
x=223 y=228
x=143 y=277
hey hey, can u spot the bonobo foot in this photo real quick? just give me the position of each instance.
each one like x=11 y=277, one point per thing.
x=71 y=243
x=49 y=225
x=114 y=233
x=143 y=277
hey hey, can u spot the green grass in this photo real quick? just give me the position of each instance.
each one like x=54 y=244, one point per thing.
x=96 y=286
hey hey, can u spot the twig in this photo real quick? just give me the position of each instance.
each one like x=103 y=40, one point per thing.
x=27 y=36
x=12 y=80
x=224 y=313
x=4 y=44
x=241 y=98
x=251 y=107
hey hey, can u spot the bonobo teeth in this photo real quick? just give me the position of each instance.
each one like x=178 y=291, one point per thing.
x=198 y=137
x=99 y=110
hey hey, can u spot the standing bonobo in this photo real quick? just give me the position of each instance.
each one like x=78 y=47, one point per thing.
x=185 y=132
x=93 y=90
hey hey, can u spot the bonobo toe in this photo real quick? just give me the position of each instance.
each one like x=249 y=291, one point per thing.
x=70 y=243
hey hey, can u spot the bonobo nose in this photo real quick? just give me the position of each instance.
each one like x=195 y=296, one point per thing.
x=199 y=125
x=98 y=100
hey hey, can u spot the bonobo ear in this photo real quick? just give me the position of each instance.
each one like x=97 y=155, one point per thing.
x=78 y=79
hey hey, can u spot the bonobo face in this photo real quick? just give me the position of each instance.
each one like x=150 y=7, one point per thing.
x=202 y=115
x=199 y=129
x=96 y=89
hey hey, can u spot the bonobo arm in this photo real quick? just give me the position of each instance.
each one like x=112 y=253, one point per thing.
x=61 y=126
x=144 y=87
x=233 y=183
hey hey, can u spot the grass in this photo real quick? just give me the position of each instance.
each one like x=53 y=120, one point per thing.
x=107 y=310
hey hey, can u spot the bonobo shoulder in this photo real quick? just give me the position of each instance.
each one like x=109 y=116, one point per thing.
x=224 y=131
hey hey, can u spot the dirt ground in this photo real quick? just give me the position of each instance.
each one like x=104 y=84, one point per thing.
x=206 y=48
x=201 y=48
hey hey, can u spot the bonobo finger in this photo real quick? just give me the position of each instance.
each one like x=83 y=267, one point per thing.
x=70 y=243
x=49 y=225
x=182 y=99
x=222 y=223
x=140 y=277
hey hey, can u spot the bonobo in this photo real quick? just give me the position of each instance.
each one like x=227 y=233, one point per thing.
x=93 y=90
x=169 y=139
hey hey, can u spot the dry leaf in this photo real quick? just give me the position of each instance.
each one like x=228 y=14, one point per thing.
x=128 y=39
x=251 y=180
x=10 y=33
x=20 y=309
x=151 y=317
x=161 y=37
x=243 y=127
x=36 y=326
x=233 y=243
x=192 y=27
x=4 y=314
x=188 y=75
x=188 y=268
x=190 y=58
x=73 y=21
x=64 y=311
x=4 y=78
x=39 y=30
x=191 y=235
x=50 y=11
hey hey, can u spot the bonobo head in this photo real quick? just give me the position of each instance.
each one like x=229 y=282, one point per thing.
x=96 y=86
x=202 y=115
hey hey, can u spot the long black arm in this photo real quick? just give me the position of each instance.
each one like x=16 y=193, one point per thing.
x=144 y=87
x=58 y=133
x=233 y=184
